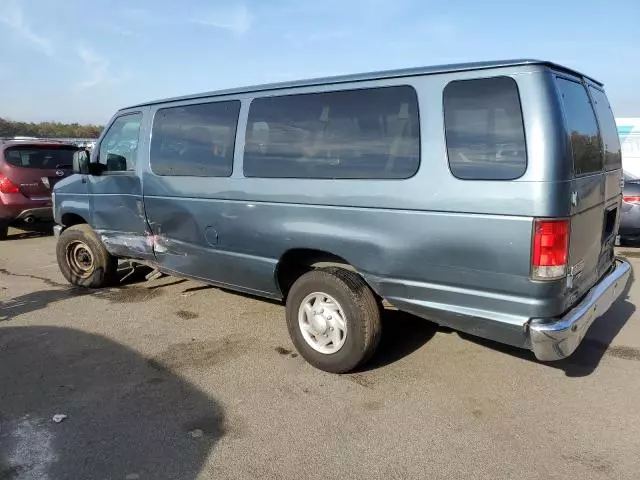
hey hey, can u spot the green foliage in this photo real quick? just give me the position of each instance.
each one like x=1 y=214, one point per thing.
x=9 y=128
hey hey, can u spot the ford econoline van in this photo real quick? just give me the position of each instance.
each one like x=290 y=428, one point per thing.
x=484 y=197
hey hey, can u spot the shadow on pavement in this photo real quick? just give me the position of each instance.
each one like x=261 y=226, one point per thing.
x=35 y=230
x=402 y=334
x=200 y=288
x=596 y=344
x=126 y=419
x=33 y=301
x=236 y=293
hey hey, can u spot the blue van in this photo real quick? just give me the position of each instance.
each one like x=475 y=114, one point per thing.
x=484 y=197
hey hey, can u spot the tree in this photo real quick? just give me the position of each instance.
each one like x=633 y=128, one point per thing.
x=10 y=128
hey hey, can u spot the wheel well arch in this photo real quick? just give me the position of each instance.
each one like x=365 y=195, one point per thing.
x=71 y=219
x=298 y=261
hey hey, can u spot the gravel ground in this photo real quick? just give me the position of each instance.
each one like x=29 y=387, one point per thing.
x=172 y=379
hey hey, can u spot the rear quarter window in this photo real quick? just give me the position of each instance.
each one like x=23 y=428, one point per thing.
x=484 y=129
x=582 y=127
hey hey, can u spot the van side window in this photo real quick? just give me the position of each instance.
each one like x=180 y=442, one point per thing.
x=119 y=147
x=354 y=134
x=608 y=130
x=484 y=129
x=582 y=127
x=195 y=140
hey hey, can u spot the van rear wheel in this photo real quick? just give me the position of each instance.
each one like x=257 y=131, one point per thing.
x=333 y=319
x=83 y=259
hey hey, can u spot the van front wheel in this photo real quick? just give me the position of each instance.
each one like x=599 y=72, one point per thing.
x=83 y=260
x=333 y=319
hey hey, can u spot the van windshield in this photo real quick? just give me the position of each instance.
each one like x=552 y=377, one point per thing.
x=43 y=157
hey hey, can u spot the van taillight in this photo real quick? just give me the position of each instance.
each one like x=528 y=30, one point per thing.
x=633 y=199
x=7 y=186
x=550 y=249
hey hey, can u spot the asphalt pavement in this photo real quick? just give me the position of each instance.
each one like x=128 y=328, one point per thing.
x=173 y=379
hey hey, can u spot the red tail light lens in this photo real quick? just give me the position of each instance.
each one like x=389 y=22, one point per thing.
x=7 y=186
x=635 y=200
x=550 y=249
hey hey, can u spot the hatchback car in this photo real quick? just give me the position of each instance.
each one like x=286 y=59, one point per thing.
x=28 y=171
x=630 y=210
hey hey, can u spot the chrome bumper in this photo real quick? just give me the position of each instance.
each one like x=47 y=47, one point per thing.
x=557 y=339
x=57 y=230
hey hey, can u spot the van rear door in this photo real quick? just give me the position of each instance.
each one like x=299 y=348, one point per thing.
x=596 y=186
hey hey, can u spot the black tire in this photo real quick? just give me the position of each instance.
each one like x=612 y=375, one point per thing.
x=104 y=267
x=361 y=309
x=4 y=230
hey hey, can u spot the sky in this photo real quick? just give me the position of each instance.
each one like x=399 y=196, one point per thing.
x=81 y=60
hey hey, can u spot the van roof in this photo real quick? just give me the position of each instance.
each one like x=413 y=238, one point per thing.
x=358 y=77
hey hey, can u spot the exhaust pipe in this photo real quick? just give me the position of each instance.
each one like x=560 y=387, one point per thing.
x=29 y=219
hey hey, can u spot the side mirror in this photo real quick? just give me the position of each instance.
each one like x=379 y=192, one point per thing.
x=81 y=162
x=116 y=163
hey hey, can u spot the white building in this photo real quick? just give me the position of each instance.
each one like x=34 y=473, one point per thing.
x=629 y=132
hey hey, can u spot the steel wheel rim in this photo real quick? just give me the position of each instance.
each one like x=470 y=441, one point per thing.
x=322 y=323
x=80 y=259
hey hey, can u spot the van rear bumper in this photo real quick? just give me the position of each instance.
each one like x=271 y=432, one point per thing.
x=41 y=213
x=555 y=339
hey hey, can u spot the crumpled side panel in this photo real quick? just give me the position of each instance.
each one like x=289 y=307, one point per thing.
x=128 y=244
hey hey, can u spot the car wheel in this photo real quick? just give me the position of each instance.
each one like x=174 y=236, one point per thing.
x=333 y=319
x=4 y=230
x=83 y=260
